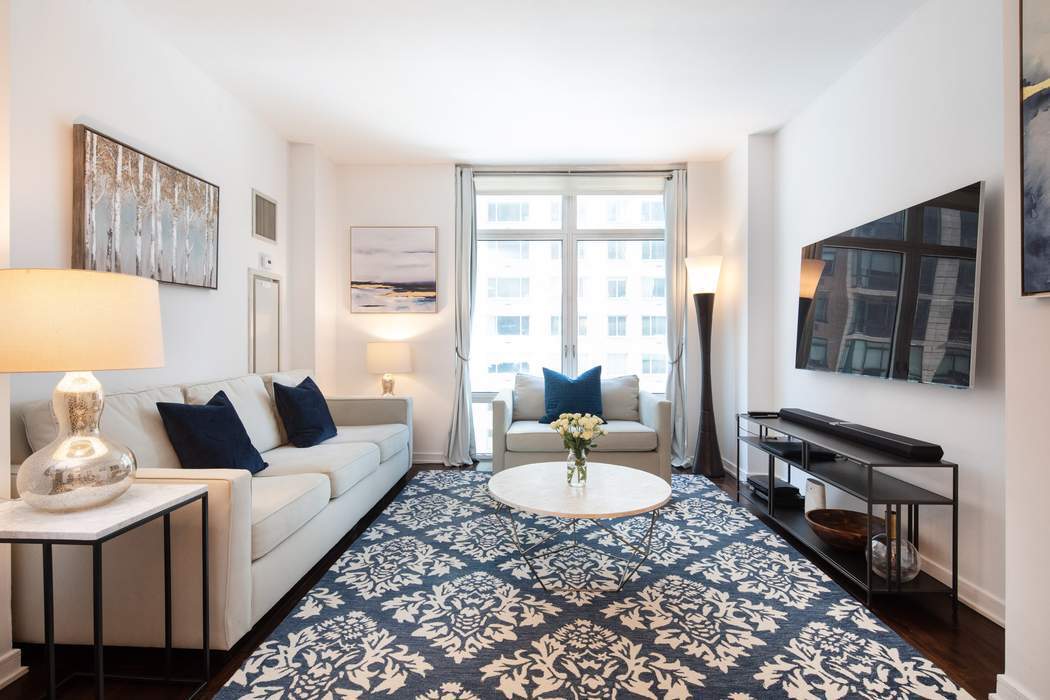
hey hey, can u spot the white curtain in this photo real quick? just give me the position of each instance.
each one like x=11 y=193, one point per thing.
x=675 y=200
x=460 y=450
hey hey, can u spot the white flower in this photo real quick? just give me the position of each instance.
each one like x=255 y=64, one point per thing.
x=587 y=435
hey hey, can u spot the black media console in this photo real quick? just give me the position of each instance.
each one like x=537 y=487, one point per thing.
x=854 y=459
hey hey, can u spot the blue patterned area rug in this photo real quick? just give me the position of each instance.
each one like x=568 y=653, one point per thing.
x=433 y=602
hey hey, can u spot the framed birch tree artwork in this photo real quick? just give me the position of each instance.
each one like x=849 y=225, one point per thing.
x=140 y=216
x=1035 y=147
x=393 y=269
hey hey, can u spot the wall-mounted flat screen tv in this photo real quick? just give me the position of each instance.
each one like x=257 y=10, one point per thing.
x=896 y=298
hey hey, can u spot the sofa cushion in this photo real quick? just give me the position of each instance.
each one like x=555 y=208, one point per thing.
x=248 y=395
x=283 y=504
x=391 y=438
x=291 y=377
x=129 y=418
x=209 y=436
x=623 y=436
x=619 y=397
x=343 y=464
x=562 y=394
x=304 y=413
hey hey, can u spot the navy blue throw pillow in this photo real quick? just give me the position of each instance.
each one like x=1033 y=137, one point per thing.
x=211 y=435
x=304 y=413
x=564 y=395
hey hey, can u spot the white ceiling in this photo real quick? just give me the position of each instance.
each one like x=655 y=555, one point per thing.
x=545 y=81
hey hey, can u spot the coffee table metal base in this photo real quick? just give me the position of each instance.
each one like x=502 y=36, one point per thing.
x=640 y=550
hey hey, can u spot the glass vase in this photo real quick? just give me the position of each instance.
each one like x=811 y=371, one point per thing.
x=884 y=555
x=576 y=470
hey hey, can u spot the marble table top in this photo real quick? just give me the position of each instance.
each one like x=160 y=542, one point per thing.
x=19 y=521
x=612 y=491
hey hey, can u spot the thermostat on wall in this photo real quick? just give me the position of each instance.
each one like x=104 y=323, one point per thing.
x=266 y=261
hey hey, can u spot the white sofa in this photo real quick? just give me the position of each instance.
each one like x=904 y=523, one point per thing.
x=639 y=425
x=265 y=532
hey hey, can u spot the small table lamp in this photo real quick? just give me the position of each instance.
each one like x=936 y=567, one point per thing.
x=76 y=321
x=386 y=359
x=703 y=281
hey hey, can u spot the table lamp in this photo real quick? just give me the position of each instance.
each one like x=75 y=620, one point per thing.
x=387 y=359
x=703 y=281
x=76 y=321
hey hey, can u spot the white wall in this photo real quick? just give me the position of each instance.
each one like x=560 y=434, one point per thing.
x=400 y=196
x=918 y=116
x=10 y=659
x=1027 y=387
x=93 y=63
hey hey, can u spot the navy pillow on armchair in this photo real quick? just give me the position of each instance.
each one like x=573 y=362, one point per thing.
x=211 y=435
x=304 y=413
x=564 y=395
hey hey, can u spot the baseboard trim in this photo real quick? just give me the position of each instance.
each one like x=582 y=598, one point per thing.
x=11 y=668
x=1008 y=689
x=428 y=458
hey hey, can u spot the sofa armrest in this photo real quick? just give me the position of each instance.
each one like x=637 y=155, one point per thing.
x=229 y=545
x=370 y=410
x=656 y=413
x=502 y=417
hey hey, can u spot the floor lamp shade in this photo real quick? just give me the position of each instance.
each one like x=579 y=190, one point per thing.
x=703 y=281
x=77 y=321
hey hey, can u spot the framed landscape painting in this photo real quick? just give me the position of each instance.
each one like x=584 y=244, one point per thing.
x=1035 y=147
x=393 y=269
x=140 y=216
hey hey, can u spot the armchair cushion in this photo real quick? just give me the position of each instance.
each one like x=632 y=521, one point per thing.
x=304 y=413
x=623 y=436
x=564 y=395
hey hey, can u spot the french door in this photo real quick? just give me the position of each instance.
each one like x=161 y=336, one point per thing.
x=568 y=282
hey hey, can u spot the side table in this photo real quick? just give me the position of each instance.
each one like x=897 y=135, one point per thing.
x=21 y=524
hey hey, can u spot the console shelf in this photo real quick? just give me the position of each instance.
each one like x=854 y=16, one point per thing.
x=855 y=470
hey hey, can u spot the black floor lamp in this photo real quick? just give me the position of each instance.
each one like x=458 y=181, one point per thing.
x=703 y=280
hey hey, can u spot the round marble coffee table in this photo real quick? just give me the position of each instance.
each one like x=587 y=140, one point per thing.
x=611 y=492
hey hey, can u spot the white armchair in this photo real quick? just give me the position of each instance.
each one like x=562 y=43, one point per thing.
x=638 y=423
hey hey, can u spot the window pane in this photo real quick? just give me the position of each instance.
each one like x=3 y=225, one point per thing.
x=534 y=212
x=519 y=285
x=619 y=211
x=631 y=323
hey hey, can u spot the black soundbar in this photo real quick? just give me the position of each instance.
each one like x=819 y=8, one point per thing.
x=900 y=445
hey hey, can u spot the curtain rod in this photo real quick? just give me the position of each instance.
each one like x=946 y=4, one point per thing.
x=583 y=170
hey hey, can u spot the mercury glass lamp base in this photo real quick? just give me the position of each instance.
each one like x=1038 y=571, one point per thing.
x=388 y=384
x=80 y=468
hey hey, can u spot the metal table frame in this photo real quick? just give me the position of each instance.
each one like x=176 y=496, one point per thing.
x=96 y=582
x=641 y=550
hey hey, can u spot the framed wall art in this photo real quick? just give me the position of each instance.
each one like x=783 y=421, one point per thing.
x=1035 y=147
x=141 y=216
x=393 y=269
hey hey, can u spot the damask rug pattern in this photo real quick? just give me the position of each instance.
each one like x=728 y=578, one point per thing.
x=433 y=602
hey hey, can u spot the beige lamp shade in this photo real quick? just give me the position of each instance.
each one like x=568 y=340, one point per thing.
x=76 y=320
x=809 y=278
x=388 y=358
x=703 y=273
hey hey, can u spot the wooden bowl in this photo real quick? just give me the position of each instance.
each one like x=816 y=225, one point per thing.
x=844 y=529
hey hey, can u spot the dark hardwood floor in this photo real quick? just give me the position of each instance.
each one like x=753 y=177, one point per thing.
x=970 y=650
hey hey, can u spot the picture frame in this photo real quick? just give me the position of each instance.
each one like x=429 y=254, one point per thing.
x=264 y=217
x=136 y=214
x=393 y=269
x=1035 y=147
